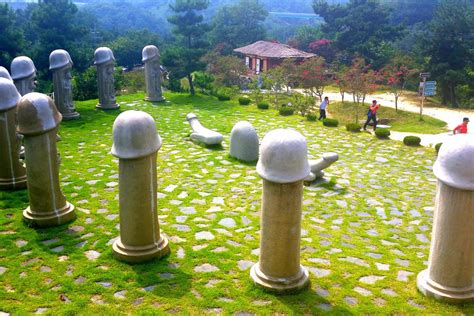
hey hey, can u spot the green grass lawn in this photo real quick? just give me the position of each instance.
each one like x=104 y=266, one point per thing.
x=400 y=121
x=371 y=220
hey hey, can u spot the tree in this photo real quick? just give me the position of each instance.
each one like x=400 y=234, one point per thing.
x=53 y=24
x=314 y=75
x=396 y=75
x=361 y=80
x=11 y=38
x=239 y=25
x=450 y=47
x=340 y=78
x=227 y=70
x=305 y=35
x=324 y=48
x=128 y=48
x=184 y=57
x=360 y=27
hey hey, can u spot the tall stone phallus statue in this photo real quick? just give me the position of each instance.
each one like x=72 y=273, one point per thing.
x=60 y=63
x=5 y=74
x=12 y=171
x=283 y=165
x=23 y=73
x=136 y=144
x=151 y=59
x=104 y=60
x=38 y=121
x=450 y=273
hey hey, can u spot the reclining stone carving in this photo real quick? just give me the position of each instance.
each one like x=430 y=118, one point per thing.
x=317 y=166
x=202 y=134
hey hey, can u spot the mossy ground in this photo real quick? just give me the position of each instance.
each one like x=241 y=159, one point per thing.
x=365 y=232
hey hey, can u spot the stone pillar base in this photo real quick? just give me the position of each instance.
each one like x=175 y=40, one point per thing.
x=70 y=116
x=13 y=184
x=443 y=293
x=280 y=285
x=46 y=219
x=159 y=99
x=140 y=254
x=107 y=107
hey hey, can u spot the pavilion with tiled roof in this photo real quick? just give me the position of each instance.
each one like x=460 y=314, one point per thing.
x=263 y=55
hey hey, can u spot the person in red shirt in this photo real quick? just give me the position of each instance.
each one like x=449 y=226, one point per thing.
x=461 y=128
x=372 y=114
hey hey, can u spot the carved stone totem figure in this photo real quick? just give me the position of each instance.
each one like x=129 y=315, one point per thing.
x=450 y=273
x=283 y=165
x=23 y=73
x=104 y=60
x=151 y=58
x=5 y=74
x=12 y=171
x=60 y=63
x=38 y=121
x=136 y=144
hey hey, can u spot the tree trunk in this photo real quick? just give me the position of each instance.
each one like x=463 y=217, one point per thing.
x=454 y=100
x=191 y=85
x=342 y=96
x=396 y=102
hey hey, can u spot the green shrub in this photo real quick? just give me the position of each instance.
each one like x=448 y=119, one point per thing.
x=244 y=101
x=286 y=111
x=263 y=105
x=353 y=127
x=312 y=117
x=412 y=140
x=223 y=97
x=382 y=132
x=330 y=122
x=438 y=146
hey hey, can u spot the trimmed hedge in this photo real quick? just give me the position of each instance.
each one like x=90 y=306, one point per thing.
x=330 y=122
x=353 y=127
x=244 y=101
x=223 y=97
x=286 y=111
x=412 y=140
x=438 y=146
x=263 y=105
x=382 y=132
x=312 y=117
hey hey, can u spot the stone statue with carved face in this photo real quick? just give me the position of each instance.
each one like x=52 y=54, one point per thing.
x=104 y=60
x=23 y=73
x=151 y=59
x=60 y=63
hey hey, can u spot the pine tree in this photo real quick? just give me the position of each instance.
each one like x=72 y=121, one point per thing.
x=184 y=58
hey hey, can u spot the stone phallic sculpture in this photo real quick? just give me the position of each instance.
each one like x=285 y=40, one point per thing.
x=450 y=273
x=12 y=171
x=317 y=166
x=136 y=144
x=23 y=73
x=202 y=134
x=60 y=63
x=244 y=142
x=283 y=165
x=5 y=74
x=151 y=59
x=38 y=121
x=104 y=60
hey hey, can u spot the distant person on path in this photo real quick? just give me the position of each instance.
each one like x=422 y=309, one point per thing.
x=322 y=108
x=461 y=128
x=372 y=114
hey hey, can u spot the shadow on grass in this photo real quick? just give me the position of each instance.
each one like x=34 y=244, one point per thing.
x=308 y=297
x=242 y=162
x=159 y=278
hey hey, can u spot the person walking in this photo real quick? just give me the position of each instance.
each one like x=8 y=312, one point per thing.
x=322 y=108
x=461 y=128
x=372 y=114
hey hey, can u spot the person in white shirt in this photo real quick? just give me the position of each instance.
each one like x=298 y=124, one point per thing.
x=322 y=108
